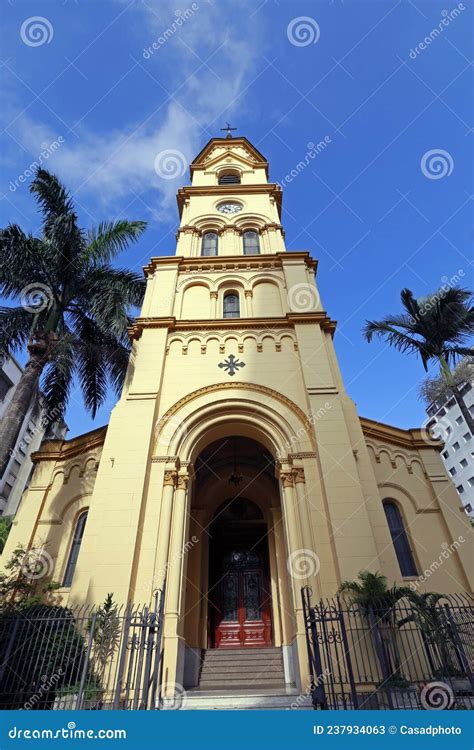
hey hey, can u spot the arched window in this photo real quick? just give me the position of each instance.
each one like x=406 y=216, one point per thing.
x=231 y=305
x=400 y=539
x=251 y=243
x=229 y=178
x=209 y=243
x=75 y=547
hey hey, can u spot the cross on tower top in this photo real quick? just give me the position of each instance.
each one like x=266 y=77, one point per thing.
x=228 y=128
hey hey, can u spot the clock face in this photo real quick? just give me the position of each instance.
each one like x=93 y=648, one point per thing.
x=229 y=208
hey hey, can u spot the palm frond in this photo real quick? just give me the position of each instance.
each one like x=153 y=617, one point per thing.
x=15 y=328
x=111 y=238
x=52 y=196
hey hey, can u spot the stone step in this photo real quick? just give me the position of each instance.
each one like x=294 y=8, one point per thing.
x=239 y=669
x=264 y=700
x=220 y=652
x=239 y=684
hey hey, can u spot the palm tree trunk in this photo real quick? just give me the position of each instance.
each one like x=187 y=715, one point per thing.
x=22 y=398
x=448 y=378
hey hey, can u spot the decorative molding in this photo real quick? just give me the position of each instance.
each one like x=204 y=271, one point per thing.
x=415 y=438
x=245 y=387
x=61 y=450
x=289 y=321
x=231 y=262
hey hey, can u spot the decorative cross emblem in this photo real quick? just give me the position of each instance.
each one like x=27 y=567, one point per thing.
x=231 y=364
x=228 y=129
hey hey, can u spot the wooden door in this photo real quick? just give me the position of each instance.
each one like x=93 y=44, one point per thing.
x=241 y=600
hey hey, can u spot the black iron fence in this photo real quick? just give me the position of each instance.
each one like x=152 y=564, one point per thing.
x=402 y=656
x=81 y=658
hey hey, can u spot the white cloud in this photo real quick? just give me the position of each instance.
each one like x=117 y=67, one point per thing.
x=109 y=167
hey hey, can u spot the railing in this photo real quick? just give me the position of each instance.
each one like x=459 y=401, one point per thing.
x=81 y=658
x=390 y=657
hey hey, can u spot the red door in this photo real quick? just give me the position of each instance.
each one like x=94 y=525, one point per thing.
x=241 y=600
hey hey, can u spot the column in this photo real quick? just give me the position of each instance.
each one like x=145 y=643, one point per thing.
x=297 y=582
x=312 y=561
x=248 y=303
x=169 y=483
x=214 y=296
x=173 y=660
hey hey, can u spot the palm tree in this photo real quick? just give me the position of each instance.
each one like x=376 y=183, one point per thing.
x=73 y=309
x=437 y=328
x=430 y=618
x=376 y=602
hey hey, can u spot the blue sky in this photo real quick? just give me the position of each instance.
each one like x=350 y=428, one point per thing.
x=376 y=214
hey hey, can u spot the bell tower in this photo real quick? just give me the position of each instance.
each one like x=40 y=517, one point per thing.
x=231 y=199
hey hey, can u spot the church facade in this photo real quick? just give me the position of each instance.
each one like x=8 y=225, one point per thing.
x=235 y=466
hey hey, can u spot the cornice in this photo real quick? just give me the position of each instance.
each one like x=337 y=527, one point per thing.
x=231 y=262
x=410 y=439
x=289 y=321
x=60 y=450
x=189 y=191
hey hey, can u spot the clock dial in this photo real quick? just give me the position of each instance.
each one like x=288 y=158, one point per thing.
x=229 y=208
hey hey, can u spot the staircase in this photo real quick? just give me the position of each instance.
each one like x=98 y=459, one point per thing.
x=248 y=668
x=243 y=679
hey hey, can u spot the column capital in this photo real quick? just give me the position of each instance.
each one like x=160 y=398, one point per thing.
x=214 y=295
x=249 y=293
x=169 y=479
x=286 y=478
x=182 y=481
x=298 y=475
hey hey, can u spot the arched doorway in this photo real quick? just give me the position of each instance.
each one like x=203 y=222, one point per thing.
x=239 y=579
x=236 y=487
